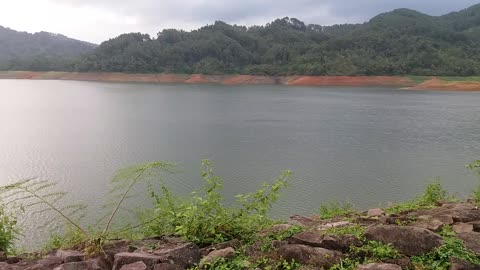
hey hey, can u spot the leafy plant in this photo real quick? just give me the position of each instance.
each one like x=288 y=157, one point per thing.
x=266 y=240
x=475 y=167
x=336 y=209
x=439 y=258
x=377 y=251
x=355 y=230
x=242 y=262
x=39 y=196
x=433 y=193
x=346 y=264
x=204 y=219
x=8 y=230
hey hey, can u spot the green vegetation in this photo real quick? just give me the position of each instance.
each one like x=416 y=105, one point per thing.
x=475 y=167
x=8 y=230
x=439 y=258
x=434 y=193
x=204 y=219
x=355 y=230
x=401 y=42
x=39 y=196
x=336 y=209
x=242 y=262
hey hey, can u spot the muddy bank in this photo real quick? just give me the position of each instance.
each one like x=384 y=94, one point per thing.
x=390 y=81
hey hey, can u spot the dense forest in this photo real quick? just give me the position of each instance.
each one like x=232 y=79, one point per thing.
x=401 y=42
x=39 y=51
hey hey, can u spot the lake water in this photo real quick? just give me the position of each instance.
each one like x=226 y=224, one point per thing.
x=369 y=146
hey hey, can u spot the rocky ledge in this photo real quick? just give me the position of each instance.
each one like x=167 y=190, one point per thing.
x=315 y=247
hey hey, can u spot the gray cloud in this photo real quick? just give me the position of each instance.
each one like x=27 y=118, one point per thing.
x=154 y=15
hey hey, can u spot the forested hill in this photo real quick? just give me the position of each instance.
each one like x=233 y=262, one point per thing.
x=401 y=42
x=39 y=51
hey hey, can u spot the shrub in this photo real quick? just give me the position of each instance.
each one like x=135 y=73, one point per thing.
x=475 y=167
x=439 y=258
x=204 y=219
x=8 y=230
x=39 y=196
x=433 y=193
x=336 y=209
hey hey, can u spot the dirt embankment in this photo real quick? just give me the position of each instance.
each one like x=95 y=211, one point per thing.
x=350 y=81
x=437 y=84
x=391 y=81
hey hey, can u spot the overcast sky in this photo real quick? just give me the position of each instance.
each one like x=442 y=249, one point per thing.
x=99 y=20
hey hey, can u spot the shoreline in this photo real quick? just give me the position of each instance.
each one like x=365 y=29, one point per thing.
x=430 y=83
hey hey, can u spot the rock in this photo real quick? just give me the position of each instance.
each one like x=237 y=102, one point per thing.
x=394 y=220
x=340 y=243
x=307 y=238
x=301 y=221
x=368 y=221
x=376 y=212
x=73 y=266
x=167 y=266
x=410 y=241
x=433 y=225
x=6 y=266
x=235 y=243
x=458 y=264
x=124 y=258
x=338 y=224
x=379 y=266
x=462 y=228
x=471 y=240
x=275 y=229
x=308 y=255
x=70 y=255
x=183 y=254
x=476 y=226
x=38 y=267
x=226 y=253
x=405 y=262
x=100 y=263
x=254 y=248
x=277 y=243
x=50 y=262
x=135 y=266
x=463 y=212
x=12 y=260
x=445 y=219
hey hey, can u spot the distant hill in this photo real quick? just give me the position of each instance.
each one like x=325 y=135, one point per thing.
x=400 y=42
x=22 y=50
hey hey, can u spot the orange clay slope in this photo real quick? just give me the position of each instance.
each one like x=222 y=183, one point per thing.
x=437 y=84
x=388 y=81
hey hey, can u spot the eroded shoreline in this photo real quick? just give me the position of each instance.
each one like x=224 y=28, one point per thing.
x=432 y=83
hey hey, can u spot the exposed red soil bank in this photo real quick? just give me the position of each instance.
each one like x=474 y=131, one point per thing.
x=392 y=81
x=437 y=84
x=350 y=81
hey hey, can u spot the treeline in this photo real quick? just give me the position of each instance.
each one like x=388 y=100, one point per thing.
x=401 y=42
